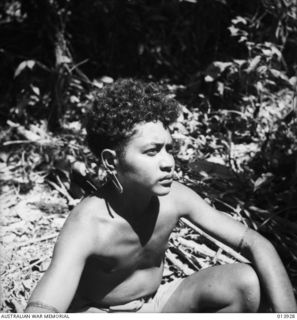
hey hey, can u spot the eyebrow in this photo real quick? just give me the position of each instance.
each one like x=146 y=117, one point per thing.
x=158 y=144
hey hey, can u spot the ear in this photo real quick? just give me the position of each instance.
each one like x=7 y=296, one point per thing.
x=109 y=159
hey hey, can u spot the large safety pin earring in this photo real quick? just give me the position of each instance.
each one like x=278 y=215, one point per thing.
x=112 y=175
x=116 y=181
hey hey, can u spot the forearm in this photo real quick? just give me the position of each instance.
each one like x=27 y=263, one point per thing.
x=53 y=293
x=272 y=274
x=40 y=307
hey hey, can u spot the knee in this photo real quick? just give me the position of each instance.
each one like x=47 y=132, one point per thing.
x=248 y=288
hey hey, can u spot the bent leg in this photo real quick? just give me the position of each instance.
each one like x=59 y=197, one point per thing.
x=228 y=288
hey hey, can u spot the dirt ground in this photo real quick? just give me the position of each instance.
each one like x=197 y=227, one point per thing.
x=30 y=223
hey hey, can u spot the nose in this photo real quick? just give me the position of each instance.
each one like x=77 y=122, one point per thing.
x=167 y=162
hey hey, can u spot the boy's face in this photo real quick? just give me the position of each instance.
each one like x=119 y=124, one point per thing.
x=147 y=163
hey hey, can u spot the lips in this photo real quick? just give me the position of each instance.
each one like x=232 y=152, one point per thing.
x=166 y=180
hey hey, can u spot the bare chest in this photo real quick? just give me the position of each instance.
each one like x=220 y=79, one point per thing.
x=129 y=262
x=138 y=245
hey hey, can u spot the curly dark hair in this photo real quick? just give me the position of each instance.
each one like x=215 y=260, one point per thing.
x=118 y=107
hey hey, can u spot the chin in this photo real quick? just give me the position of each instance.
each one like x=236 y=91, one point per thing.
x=162 y=191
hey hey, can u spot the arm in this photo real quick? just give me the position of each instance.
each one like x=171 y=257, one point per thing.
x=55 y=290
x=271 y=272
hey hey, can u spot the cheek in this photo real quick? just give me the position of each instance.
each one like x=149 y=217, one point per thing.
x=138 y=168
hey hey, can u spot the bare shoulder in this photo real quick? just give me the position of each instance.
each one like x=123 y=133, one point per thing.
x=180 y=189
x=89 y=209
x=184 y=197
x=82 y=226
x=191 y=206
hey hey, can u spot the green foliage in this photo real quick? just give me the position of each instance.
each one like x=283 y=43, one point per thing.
x=242 y=96
x=249 y=101
x=231 y=64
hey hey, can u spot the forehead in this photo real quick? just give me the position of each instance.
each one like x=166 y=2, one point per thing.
x=150 y=132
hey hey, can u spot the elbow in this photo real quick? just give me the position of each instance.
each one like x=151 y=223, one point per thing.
x=256 y=243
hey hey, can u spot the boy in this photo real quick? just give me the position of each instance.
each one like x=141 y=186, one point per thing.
x=109 y=254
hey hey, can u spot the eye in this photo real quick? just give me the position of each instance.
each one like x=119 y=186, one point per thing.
x=152 y=152
x=169 y=149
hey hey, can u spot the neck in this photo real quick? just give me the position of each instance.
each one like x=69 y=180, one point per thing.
x=130 y=203
x=138 y=209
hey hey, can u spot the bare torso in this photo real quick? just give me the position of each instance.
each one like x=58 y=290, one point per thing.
x=130 y=265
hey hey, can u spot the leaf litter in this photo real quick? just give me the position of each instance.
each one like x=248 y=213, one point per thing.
x=41 y=179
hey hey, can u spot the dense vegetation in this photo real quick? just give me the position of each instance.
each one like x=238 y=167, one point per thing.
x=231 y=64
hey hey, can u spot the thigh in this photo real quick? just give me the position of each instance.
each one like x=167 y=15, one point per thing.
x=160 y=298
x=207 y=290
